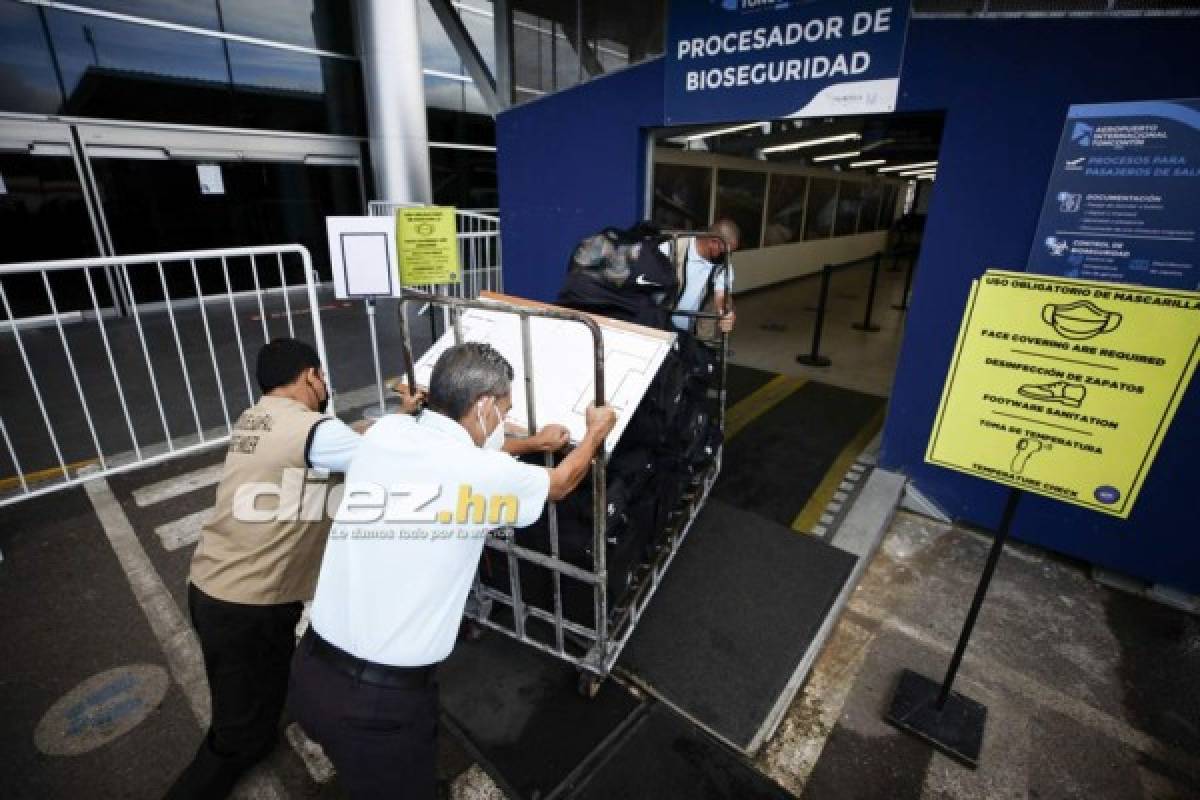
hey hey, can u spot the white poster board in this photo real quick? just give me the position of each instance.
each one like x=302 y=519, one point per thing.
x=362 y=254
x=563 y=365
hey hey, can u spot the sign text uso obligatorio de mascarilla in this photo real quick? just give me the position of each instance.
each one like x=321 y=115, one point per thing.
x=782 y=70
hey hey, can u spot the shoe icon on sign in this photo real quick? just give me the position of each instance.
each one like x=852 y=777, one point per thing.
x=1062 y=392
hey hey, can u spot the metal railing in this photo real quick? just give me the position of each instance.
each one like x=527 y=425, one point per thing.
x=478 y=251
x=116 y=392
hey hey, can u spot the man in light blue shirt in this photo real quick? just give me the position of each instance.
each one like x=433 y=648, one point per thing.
x=694 y=263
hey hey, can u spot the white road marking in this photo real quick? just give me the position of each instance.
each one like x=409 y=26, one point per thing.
x=176 y=637
x=178 y=485
x=183 y=531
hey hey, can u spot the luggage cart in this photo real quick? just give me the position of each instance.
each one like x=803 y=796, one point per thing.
x=593 y=650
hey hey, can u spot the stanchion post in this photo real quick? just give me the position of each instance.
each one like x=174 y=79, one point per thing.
x=908 y=276
x=815 y=359
x=951 y=722
x=866 y=324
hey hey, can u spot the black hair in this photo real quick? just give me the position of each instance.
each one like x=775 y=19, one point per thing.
x=281 y=361
x=465 y=373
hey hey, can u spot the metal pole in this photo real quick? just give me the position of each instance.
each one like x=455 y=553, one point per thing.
x=370 y=301
x=866 y=324
x=1010 y=508
x=908 y=276
x=815 y=359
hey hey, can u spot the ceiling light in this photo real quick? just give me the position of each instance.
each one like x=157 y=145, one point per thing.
x=839 y=137
x=911 y=172
x=906 y=167
x=927 y=177
x=873 y=163
x=836 y=156
x=723 y=131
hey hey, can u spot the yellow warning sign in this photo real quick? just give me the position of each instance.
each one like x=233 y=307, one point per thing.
x=428 y=245
x=1065 y=388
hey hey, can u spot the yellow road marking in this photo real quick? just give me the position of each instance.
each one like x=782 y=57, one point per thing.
x=759 y=402
x=14 y=481
x=825 y=490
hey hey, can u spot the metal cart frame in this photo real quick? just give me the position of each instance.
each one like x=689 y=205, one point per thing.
x=593 y=650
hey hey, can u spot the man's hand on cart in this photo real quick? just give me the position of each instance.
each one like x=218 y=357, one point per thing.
x=550 y=439
x=410 y=402
x=600 y=420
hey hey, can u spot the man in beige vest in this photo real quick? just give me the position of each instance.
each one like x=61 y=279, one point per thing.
x=260 y=552
x=695 y=259
x=258 y=558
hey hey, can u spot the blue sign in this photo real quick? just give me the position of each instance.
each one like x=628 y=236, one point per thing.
x=1123 y=202
x=730 y=60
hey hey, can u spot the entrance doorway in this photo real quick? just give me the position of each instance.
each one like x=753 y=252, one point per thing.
x=79 y=190
x=809 y=196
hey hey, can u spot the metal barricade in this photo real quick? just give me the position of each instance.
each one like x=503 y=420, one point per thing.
x=91 y=387
x=478 y=251
x=593 y=650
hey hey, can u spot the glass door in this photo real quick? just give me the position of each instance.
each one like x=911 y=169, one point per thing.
x=171 y=190
x=46 y=214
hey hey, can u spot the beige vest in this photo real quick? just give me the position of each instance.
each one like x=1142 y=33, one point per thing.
x=705 y=329
x=274 y=556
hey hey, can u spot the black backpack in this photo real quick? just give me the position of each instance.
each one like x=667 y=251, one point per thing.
x=621 y=274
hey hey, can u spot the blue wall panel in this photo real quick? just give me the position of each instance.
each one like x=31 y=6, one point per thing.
x=573 y=162
x=1006 y=86
x=570 y=164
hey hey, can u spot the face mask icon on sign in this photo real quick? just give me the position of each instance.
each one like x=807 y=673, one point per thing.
x=1082 y=319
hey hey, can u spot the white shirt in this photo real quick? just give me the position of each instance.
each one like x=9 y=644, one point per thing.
x=697 y=271
x=331 y=445
x=393 y=586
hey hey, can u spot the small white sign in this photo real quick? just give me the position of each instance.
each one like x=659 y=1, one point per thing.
x=211 y=181
x=362 y=253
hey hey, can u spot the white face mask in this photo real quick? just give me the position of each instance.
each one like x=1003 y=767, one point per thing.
x=495 y=439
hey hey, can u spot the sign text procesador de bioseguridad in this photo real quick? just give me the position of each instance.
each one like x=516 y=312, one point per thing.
x=862 y=23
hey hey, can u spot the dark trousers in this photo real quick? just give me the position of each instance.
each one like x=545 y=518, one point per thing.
x=247 y=654
x=381 y=739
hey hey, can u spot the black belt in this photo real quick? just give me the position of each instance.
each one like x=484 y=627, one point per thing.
x=367 y=671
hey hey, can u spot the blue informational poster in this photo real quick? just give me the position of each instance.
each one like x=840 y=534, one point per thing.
x=742 y=60
x=1123 y=202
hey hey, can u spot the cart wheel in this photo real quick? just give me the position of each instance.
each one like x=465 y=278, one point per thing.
x=589 y=684
x=472 y=631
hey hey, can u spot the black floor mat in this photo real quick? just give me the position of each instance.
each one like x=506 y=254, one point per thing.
x=666 y=758
x=734 y=617
x=773 y=466
x=740 y=382
x=519 y=712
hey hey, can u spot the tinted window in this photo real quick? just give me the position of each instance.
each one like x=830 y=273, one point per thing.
x=822 y=195
x=198 y=13
x=452 y=95
x=740 y=198
x=785 y=209
x=126 y=71
x=681 y=196
x=868 y=219
x=849 y=203
x=287 y=90
x=322 y=24
x=463 y=178
x=116 y=69
x=27 y=81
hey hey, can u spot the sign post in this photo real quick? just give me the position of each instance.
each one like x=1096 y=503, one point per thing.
x=1059 y=387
